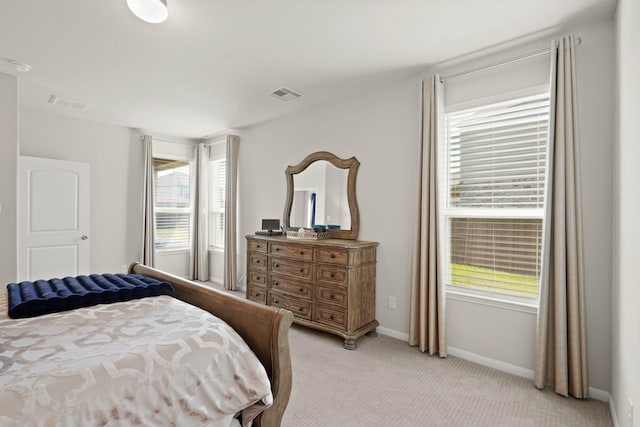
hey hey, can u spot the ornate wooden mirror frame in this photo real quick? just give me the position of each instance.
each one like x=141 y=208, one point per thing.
x=352 y=165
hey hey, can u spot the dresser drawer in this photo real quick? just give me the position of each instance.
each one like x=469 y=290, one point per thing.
x=327 y=294
x=257 y=246
x=257 y=278
x=299 y=307
x=304 y=253
x=331 y=316
x=257 y=294
x=257 y=261
x=332 y=273
x=301 y=270
x=289 y=286
x=334 y=256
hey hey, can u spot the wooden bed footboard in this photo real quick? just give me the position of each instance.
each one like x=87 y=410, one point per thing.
x=265 y=329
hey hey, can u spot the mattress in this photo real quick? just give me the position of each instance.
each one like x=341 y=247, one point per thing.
x=154 y=361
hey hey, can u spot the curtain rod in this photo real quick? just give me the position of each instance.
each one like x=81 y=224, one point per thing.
x=501 y=63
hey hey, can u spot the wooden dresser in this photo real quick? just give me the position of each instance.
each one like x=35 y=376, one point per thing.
x=329 y=284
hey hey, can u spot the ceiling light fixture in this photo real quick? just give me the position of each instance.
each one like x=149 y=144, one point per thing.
x=152 y=11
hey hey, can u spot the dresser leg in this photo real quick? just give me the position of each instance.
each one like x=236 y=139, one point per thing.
x=372 y=333
x=350 y=344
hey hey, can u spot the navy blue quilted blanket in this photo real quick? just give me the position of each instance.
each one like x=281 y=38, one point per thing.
x=29 y=299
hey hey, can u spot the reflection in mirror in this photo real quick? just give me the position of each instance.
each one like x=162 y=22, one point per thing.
x=320 y=197
x=321 y=191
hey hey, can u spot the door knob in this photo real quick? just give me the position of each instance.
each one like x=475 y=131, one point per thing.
x=84 y=237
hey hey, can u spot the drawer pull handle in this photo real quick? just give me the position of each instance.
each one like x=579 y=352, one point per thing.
x=333 y=275
x=276 y=265
x=258 y=246
x=257 y=294
x=332 y=296
x=277 y=249
x=332 y=255
x=276 y=284
x=275 y=301
x=301 y=309
x=257 y=261
x=302 y=270
x=301 y=252
x=301 y=290
x=331 y=317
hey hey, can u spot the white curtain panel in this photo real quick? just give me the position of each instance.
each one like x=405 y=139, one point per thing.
x=200 y=252
x=561 y=349
x=230 y=213
x=148 y=220
x=427 y=310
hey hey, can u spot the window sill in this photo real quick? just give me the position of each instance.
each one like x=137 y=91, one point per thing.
x=171 y=251
x=216 y=249
x=523 y=307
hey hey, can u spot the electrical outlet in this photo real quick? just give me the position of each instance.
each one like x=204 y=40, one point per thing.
x=392 y=302
x=629 y=413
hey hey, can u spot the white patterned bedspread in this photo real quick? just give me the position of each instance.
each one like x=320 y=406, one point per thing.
x=154 y=361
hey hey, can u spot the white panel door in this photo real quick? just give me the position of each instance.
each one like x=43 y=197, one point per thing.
x=53 y=218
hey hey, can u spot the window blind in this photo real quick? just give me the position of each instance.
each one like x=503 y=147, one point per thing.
x=493 y=254
x=172 y=204
x=495 y=165
x=497 y=154
x=217 y=194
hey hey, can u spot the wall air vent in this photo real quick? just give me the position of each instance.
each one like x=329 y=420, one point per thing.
x=67 y=103
x=285 y=94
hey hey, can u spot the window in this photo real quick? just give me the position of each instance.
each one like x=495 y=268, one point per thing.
x=172 y=204
x=217 y=188
x=492 y=212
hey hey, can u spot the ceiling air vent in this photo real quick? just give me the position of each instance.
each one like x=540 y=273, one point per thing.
x=285 y=94
x=68 y=103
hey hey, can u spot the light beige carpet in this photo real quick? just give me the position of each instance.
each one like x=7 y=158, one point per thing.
x=387 y=383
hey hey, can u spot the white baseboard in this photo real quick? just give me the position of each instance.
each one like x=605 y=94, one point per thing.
x=594 y=393
x=491 y=363
x=597 y=394
x=612 y=410
x=393 y=334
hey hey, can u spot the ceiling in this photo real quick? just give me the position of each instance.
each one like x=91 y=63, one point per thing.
x=212 y=65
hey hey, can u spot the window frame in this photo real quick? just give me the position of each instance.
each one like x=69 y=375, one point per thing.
x=220 y=156
x=446 y=213
x=188 y=210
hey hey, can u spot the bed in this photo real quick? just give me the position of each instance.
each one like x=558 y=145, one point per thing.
x=148 y=361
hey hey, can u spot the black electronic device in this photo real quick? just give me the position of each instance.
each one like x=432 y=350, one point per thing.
x=270 y=227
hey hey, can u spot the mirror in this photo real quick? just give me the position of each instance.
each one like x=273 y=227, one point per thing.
x=321 y=190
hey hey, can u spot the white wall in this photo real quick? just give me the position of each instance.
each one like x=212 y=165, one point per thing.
x=216 y=266
x=8 y=176
x=596 y=86
x=626 y=265
x=115 y=156
x=174 y=262
x=381 y=128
